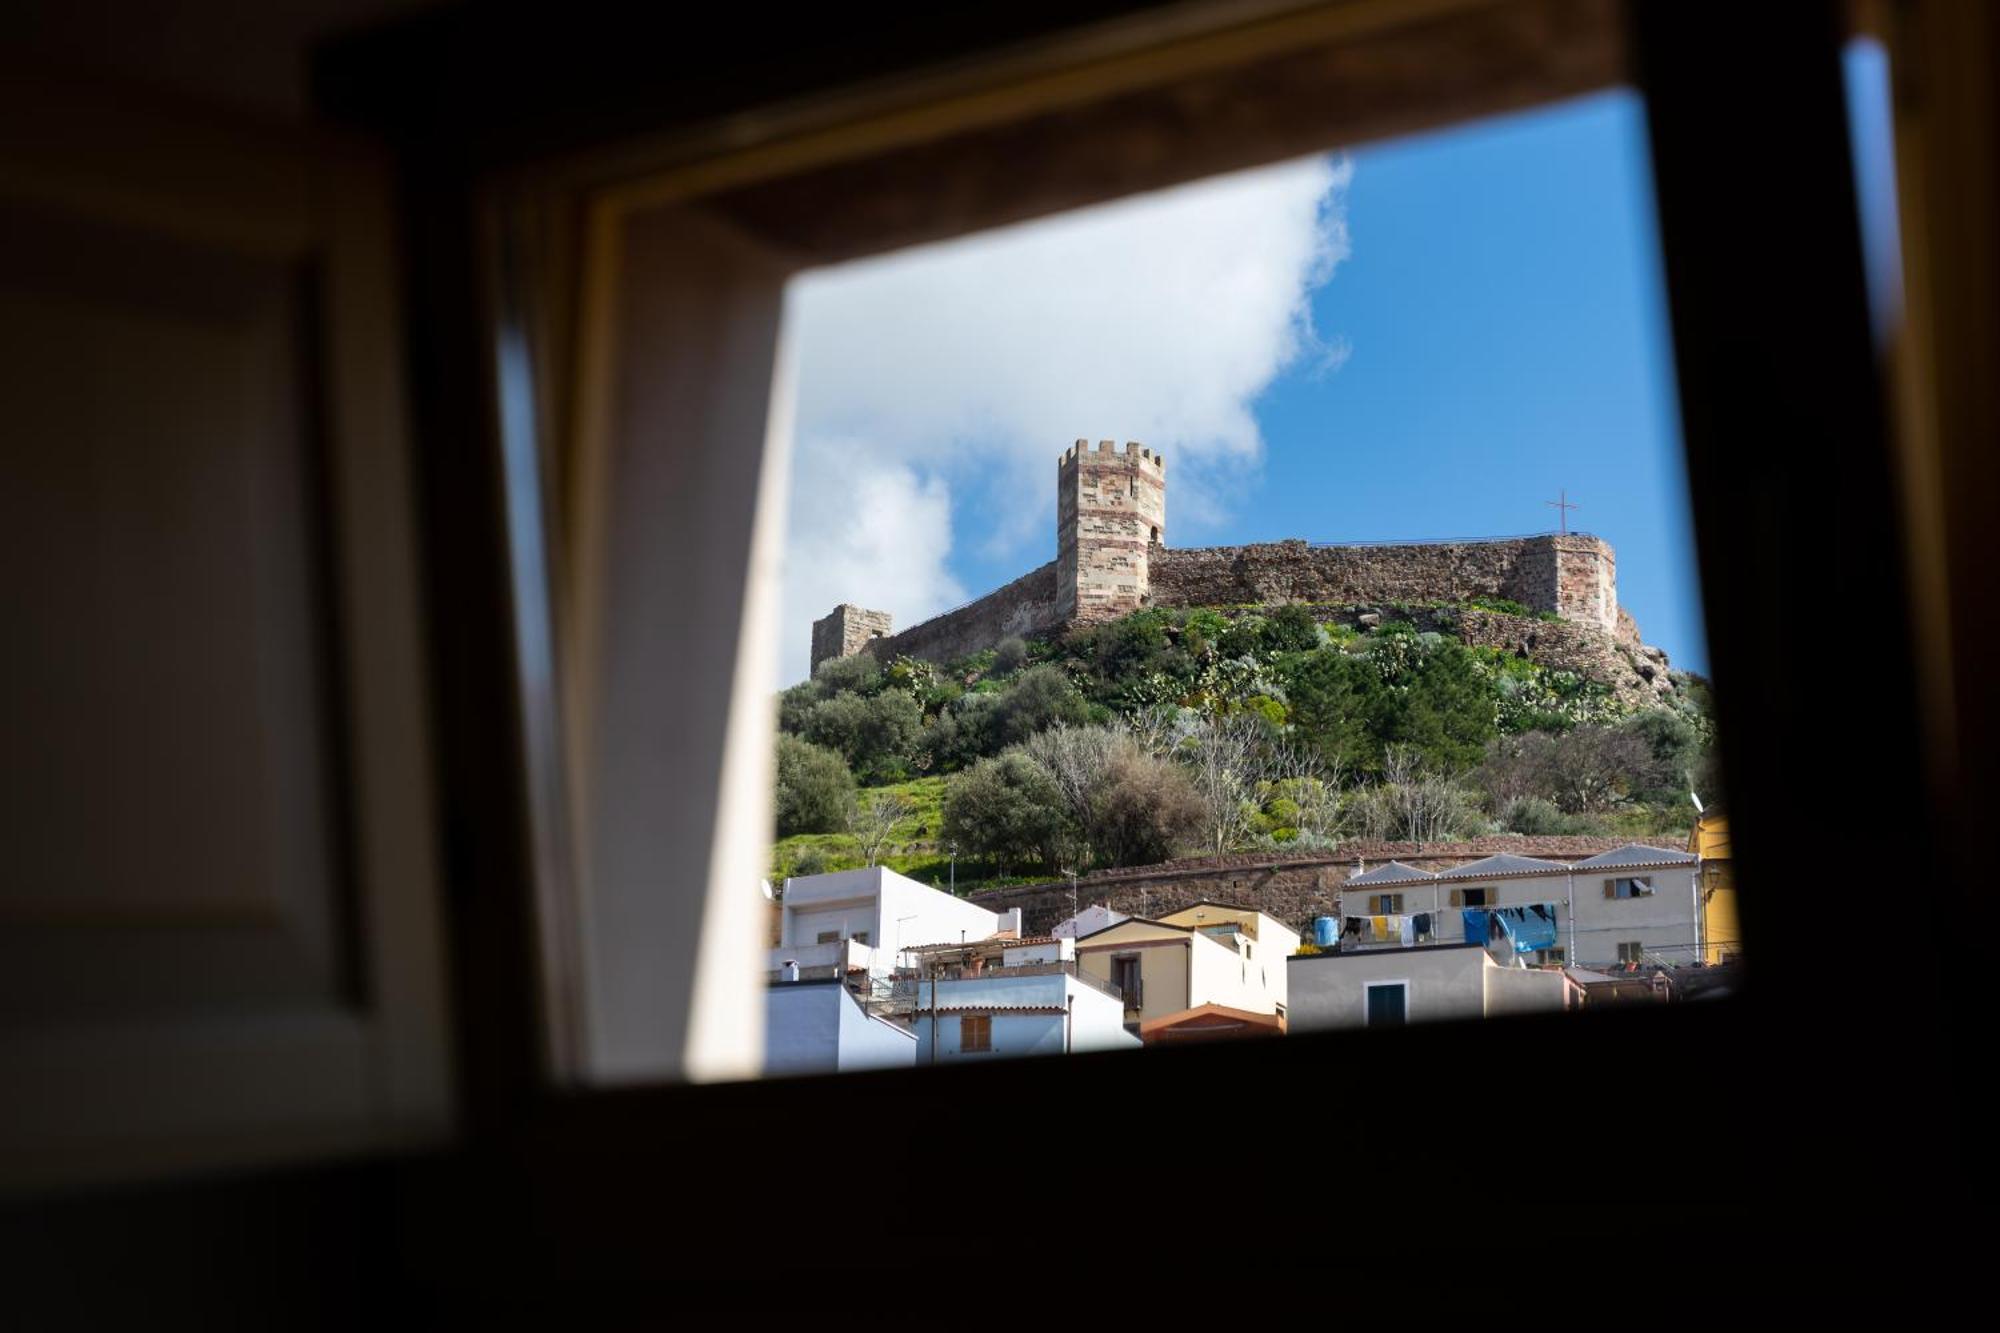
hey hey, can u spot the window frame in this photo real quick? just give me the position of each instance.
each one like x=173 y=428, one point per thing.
x=1698 y=98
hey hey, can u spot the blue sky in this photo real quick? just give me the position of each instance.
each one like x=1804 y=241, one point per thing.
x=1425 y=338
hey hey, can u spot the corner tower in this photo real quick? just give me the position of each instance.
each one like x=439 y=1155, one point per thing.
x=1111 y=514
x=846 y=631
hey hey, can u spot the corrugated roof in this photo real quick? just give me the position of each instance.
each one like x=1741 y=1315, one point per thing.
x=1638 y=854
x=1393 y=873
x=1506 y=863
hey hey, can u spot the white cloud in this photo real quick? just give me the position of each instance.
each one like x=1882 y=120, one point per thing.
x=967 y=367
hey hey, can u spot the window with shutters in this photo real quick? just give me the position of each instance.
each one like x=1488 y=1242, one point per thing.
x=1482 y=897
x=1385 y=904
x=1388 y=1003
x=975 y=1032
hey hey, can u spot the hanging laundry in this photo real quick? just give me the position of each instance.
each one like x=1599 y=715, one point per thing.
x=1475 y=925
x=1422 y=925
x=1380 y=926
x=1408 y=934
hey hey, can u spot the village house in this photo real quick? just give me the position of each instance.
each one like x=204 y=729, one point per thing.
x=821 y=1027
x=1633 y=903
x=1007 y=997
x=1206 y=953
x=854 y=922
x=1428 y=984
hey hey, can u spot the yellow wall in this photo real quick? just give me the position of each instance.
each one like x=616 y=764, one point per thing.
x=1163 y=963
x=1720 y=933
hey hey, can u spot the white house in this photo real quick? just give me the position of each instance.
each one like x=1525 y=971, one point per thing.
x=1206 y=953
x=1619 y=906
x=1390 y=987
x=819 y=1027
x=1092 y=918
x=1001 y=998
x=859 y=920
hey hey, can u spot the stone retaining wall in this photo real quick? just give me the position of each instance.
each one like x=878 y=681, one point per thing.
x=1293 y=887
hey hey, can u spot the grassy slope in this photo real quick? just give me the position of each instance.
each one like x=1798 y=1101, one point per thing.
x=912 y=851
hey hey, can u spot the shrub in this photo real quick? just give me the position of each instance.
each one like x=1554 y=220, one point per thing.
x=875 y=736
x=1290 y=629
x=1039 y=698
x=1009 y=656
x=1007 y=812
x=859 y=674
x=810 y=861
x=1145 y=811
x=1535 y=817
x=815 y=791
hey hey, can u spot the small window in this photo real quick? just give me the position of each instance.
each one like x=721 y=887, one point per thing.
x=975 y=1032
x=1550 y=956
x=1638 y=887
x=1388 y=1004
x=829 y=937
x=861 y=937
x=1474 y=897
x=1385 y=904
x=1632 y=952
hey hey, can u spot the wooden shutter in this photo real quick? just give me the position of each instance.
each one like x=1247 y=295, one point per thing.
x=215 y=625
x=1611 y=888
x=1458 y=897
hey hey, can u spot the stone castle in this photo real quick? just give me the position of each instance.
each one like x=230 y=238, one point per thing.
x=1112 y=559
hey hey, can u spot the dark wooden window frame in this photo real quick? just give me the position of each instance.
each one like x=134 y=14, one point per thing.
x=1783 y=417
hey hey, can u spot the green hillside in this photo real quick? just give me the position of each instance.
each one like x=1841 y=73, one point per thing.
x=1182 y=731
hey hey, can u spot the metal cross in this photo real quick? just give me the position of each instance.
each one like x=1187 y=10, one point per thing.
x=1562 y=507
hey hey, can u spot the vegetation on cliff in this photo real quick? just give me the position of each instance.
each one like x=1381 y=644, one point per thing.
x=1172 y=732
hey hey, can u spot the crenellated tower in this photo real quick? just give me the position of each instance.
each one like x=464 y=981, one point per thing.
x=1111 y=514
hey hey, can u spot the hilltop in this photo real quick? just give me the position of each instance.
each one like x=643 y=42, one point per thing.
x=1232 y=728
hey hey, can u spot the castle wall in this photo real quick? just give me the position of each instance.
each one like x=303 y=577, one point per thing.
x=1294 y=887
x=1573 y=576
x=1025 y=608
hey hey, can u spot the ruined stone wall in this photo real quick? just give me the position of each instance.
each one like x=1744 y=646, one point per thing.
x=1574 y=576
x=1292 y=887
x=846 y=631
x=1025 y=608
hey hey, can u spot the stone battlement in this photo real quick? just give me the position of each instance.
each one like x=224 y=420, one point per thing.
x=1108 y=450
x=1112 y=559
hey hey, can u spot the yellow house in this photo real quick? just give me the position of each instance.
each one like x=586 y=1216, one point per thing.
x=1721 y=937
x=1208 y=953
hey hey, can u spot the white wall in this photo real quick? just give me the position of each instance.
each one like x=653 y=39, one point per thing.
x=1665 y=921
x=1330 y=990
x=1222 y=975
x=818 y=1028
x=1099 y=1018
x=873 y=901
x=1521 y=990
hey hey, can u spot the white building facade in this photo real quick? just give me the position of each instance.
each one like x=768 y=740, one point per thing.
x=1635 y=903
x=859 y=920
x=818 y=1027
x=1394 y=986
x=1009 y=999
